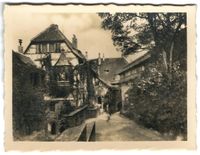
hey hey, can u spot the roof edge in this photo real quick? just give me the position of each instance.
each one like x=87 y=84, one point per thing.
x=136 y=62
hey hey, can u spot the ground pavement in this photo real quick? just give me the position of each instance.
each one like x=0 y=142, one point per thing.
x=120 y=128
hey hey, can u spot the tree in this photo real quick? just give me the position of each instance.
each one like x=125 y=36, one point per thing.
x=131 y=31
x=158 y=97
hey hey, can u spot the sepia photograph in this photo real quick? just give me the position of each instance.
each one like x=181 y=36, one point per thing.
x=99 y=74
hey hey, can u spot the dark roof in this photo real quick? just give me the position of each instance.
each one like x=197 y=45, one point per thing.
x=135 y=62
x=53 y=34
x=109 y=67
x=24 y=59
x=50 y=34
x=62 y=60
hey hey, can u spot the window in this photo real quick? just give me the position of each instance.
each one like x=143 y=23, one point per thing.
x=44 y=48
x=34 y=78
x=127 y=73
x=142 y=68
x=133 y=71
x=122 y=76
x=38 y=48
x=58 y=47
x=52 y=107
x=52 y=47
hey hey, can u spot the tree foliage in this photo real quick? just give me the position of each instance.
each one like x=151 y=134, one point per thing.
x=158 y=97
x=158 y=102
x=131 y=31
x=28 y=104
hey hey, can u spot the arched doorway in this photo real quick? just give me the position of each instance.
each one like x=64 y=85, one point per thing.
x=99 y=100
x=53 y=128
x=119 y=106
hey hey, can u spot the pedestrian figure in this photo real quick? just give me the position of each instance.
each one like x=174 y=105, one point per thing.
x=109 y=115
x=108 y=119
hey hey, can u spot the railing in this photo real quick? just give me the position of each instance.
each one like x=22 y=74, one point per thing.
x=76 y=117
x=88 y=133
x=92 y=134
x=83 y=135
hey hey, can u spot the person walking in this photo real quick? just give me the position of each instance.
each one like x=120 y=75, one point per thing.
x=109 y=114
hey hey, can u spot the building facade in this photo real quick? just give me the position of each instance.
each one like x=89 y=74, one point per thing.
x=28 y=103
x=107 y=92
x=66 y=84
x=138 y=62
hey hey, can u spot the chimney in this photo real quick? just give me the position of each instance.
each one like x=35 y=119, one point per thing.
x=74 y=41
x=86 y=54
x=103 y=58
x=99 y=59
x=20 y=47
x=54 y=26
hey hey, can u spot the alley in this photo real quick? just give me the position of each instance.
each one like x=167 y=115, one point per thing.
x=120 y=128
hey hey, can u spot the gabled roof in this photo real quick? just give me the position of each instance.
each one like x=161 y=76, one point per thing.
x=109 y=67
x=53 y=34
x=24 y=59
x=136 y=55
x=137 y=61
x=62 y=60
x=50 y=34
x=105 y=83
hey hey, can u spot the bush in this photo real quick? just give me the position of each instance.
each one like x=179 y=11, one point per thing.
x=158 y=100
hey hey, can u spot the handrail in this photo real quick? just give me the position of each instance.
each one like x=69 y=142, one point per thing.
x=77 y=111
x=88 y=133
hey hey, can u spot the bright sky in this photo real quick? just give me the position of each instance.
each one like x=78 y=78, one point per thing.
x=87 y=27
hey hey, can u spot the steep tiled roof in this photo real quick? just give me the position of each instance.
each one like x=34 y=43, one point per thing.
x=109 y=67
x=53 y=34
x=137 y=61
x=134 y=56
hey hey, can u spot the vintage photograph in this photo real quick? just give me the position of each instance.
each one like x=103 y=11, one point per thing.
x=103 y=76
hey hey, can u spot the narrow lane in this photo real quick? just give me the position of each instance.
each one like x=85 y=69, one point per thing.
x=120 y=128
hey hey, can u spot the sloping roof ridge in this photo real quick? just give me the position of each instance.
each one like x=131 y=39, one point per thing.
x=69 y=44
x=106 y=58
x=138 y=58
x=42 y=32
x=22 y=57
x=133 y=62
x=75 y=51
x=65 y=37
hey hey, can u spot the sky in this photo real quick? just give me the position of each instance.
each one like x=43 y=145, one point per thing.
x=91 y=37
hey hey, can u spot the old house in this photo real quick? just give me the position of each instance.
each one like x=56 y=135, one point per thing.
x=28 y=88
x=60 y=58
x=68 y=78
x=137 y=63
x=105 y=85
x=52 y=41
